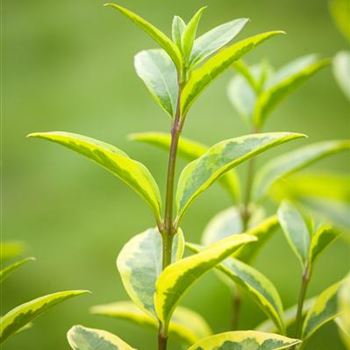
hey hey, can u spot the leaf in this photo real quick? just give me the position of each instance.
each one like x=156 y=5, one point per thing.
x=200 y=174
x=289 y=317
x=189 y=34
x=320 y=240
x=132 y=172
x=140 y=263
x=341 y=71
x=18 y=317
x=324 y=309
x=157 y=35
x=215 y=39
x=215 y=65
x=343 y=321
x=185 y=323
x=263 y=232
x=258 y=287
x=178 y=28
x=189 y=150
x=83 y=338
x=158 y=73
x=6 y=271
x=290 y=162
x=296 y=231
x=340 y=10
x=178 y=277
x=284 y=82
x=11 y=249
x=245 y=340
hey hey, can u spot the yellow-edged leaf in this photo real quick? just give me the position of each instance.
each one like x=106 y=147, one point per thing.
x=132 y=172
x=6 y=271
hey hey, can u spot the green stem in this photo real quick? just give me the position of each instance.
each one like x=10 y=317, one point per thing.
x=302 y=295
x=167 y=229
x=236 y=308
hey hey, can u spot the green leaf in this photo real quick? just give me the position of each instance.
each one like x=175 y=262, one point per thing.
x=132 y=172
x=340 y=10
x=324 y=309
x=289 y=317
x=140 y=263
x=189 y=34
x=245 y=340
x=341 y=71
x=178 y=277
x=158 y=73
x=258 y=287
x=11 y=249
x=178 y=28
x=215 y=65
x=290 y=162
x=202 y=172
x=320 y=240
x=185 y=323
x=283 y=83
x=189 y=150
x=215 y=39
x=156 y=34
x=18 y=317
x=83 y=338
x=6 y=271
x=295 y=230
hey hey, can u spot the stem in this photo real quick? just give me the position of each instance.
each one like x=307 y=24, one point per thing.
x=236 y=308
x=302 y=294
x=167 y=229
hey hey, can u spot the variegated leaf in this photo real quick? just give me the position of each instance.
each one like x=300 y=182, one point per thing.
x=178 y=277
x=201 y=173
x=132 y=172
x=83 y=338
x=140 y=263
x=21 y=315
x=341 y=71
x=245 y=340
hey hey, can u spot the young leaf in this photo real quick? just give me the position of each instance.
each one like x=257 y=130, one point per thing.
x=189 y=34
x=18 y=317
x=140 y=263
x=178 y=28
x=202 y=172
x=295 y=230
x=245 y=340
x=324 y=309
x=158 y=73
x=178 y=277
x=6 y=271
x=185 y=323
x=290 y=162
x=83 y=338
x=11 y=249
x=215 y=65
x=189 y=150
x=341 y=71
x=156 y=34
x=261 y=290
x=289 y=317
x=283 y=83
x=320 y=240
x=132 y=172
x=343 y=321
x=215 y=39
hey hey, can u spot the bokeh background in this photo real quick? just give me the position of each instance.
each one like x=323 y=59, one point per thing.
x=68 y=66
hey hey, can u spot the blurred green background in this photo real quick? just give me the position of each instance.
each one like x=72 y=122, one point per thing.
x=68 y=66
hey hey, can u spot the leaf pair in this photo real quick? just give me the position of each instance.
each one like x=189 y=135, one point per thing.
x=256 y=91
x=82 y=338
x=306 y=243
